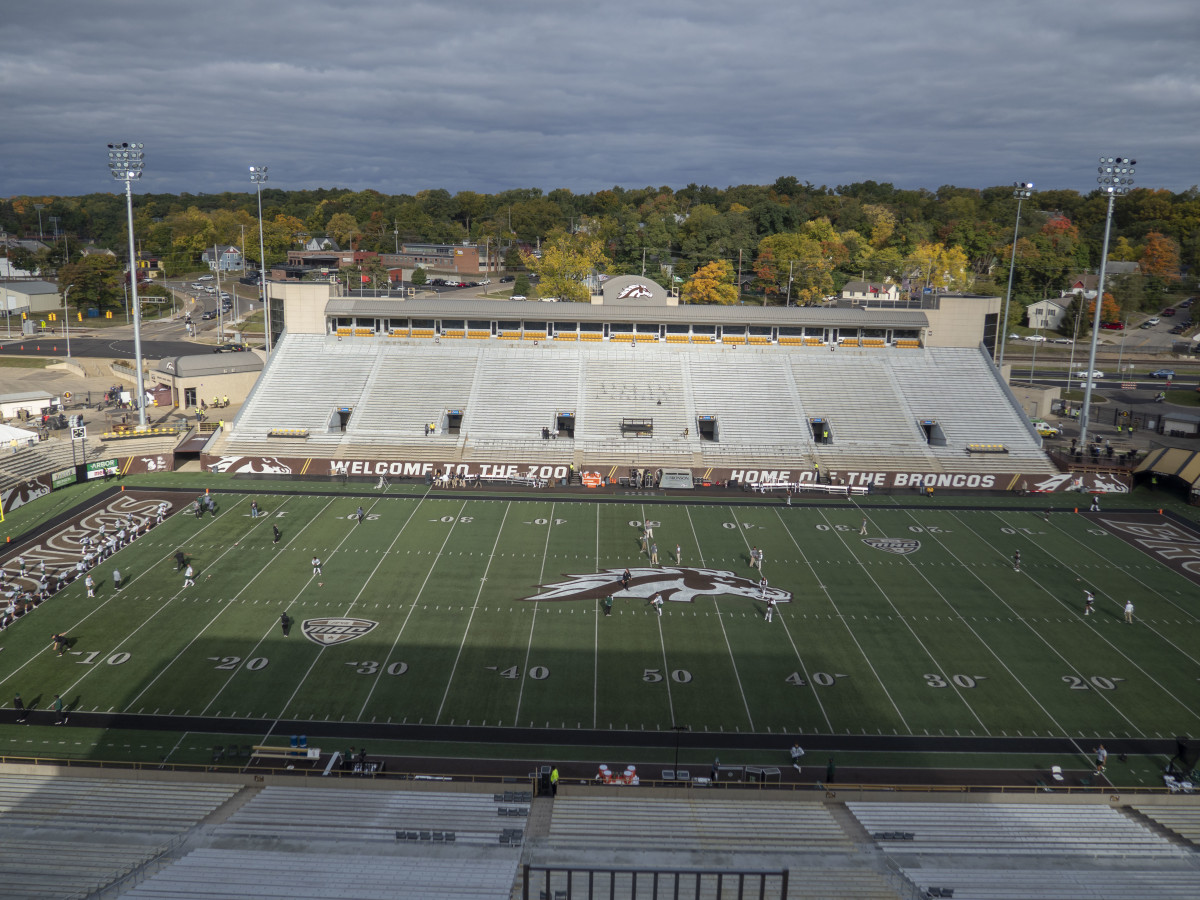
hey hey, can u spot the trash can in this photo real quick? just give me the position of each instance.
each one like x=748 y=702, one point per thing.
x=544 y=780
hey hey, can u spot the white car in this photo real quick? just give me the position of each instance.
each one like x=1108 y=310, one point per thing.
x=205 y=278
x=1153 y=320
x=1083 y=376
x=1035 y=337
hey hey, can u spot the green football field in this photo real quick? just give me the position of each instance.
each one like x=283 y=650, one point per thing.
x=472 y=610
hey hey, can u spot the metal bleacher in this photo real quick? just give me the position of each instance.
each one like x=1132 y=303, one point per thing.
x=227 y=873
x=696 y=823
x=1055 y=883
x=986 y=829
x=296 y=813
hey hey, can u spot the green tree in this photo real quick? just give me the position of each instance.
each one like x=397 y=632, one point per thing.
x=521 y=286
x=95 y=280
x=343 y=228
x=418 y=276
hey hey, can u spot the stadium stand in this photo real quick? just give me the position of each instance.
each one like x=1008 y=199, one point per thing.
x=1182 y=820
x=36 y=801
x=700 y=823
x=762 y=396
x=1009 y=828
x=208 y=873
x=1055 y=883
x=294 y=813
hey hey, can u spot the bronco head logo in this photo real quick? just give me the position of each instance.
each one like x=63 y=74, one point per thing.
x=635 y=292
x=679 y=585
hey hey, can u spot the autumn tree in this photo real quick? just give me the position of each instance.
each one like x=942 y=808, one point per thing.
x=1160 y=258
x=941 y=267
x=565 y=264
x=95 y=280
x=711 y=283
x=343 y=228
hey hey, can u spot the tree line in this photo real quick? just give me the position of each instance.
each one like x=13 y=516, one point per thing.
x=787 y=242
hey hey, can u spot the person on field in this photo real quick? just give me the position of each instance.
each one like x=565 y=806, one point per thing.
x=189 y=577
x=657 y=603
x=770 y=614
x=316 y=565
x=275 y=529
x=1089 y=603
x=1017 y=561
x=1129 y=612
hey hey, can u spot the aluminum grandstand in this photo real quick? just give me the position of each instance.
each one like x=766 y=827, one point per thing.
x=850 y=397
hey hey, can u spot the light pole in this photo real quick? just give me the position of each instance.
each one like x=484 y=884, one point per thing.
x=258 y=174
x=39 y=207
x=126 y=162
x=1114 y=179
x=1022 y=190
x=67 y=318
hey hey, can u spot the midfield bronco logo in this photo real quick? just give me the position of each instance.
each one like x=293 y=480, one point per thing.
x=899 y=546
x=328 y=632
x=680 y=585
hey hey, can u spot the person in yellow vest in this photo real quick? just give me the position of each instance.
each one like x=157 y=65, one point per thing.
x=554 y=782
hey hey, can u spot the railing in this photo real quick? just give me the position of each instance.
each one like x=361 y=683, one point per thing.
x=599 y=881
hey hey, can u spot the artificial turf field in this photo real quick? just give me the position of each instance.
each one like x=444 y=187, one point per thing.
x=944 y=639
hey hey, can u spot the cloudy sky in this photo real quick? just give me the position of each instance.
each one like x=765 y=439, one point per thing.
x=484 y=95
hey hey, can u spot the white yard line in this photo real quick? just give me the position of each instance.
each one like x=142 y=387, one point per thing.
x=783 y=621
x=474 y=606
x=416 y=599
x=912 y=631
x=292 y=602
x=841 y=618
x=971 y=628
x=320 y=650
x=1074 y=611
x=143 y=624
x=112 y=595
x=208 y=625
x=533 y=618
x=1145 y=585
x=721 y=621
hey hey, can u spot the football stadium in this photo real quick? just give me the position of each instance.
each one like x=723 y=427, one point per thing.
x=484 y=599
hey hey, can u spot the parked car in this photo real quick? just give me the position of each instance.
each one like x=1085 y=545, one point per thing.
x=205 y=278
x=1163 y=373
x=1062 y=341
x=518 y=297
x=1113 y=326
x=1153 y=320
x=507 y=278
x=1188 y=302
x=1169 y=311
x=1045 y=429
x=1084 y=375
x=1035 y=337
x=1177 y=329
x=209 y=314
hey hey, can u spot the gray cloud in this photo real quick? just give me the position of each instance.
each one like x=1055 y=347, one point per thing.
x=486 y=96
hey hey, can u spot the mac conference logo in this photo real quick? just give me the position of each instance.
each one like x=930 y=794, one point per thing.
x=899 y=546
x=679 y=585
x=635 y=292
x=328 y=632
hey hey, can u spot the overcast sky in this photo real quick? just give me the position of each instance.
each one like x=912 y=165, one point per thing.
x=486 y=96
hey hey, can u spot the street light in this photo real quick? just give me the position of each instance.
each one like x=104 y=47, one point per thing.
x=126 y=161
x=258 y=175
x=1022 y=190
x=1114 y=179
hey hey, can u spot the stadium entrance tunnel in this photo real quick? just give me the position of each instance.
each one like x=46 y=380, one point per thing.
x=565 y=423
x=454 y=419
x=340 y=418
x=934 y=436
x=706 y=427
x=822 y=431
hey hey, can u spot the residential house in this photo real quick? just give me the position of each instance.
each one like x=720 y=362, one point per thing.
x=225 y=258
x=871 y=290
x=1046 y=315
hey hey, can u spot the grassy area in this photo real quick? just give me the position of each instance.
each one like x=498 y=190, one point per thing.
x=24 y=362
x=1186 y=397
x=484 y=611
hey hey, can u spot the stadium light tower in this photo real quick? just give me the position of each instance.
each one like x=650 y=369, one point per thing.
x=1114 y=179
x=258 y=174
x=126 y=161
x=1022 y=190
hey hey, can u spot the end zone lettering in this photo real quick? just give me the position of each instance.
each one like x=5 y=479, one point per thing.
x=937 y=480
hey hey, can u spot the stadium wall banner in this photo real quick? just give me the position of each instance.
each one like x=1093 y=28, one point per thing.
x=101 y=468
x=158 y=462
x=63 y=477
x=773 y=479
x=24 y=492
